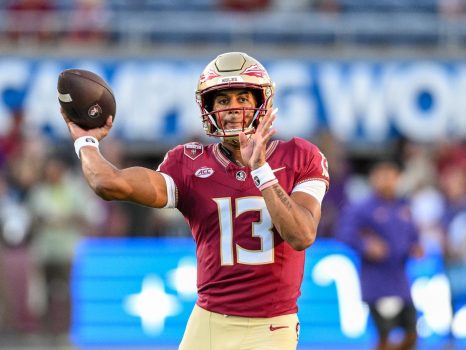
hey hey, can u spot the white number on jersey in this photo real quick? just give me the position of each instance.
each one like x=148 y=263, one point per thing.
x=261 y=229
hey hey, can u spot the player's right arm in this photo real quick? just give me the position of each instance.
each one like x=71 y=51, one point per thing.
x=136 y=184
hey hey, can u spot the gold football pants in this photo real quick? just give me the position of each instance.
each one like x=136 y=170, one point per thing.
x=212 y=331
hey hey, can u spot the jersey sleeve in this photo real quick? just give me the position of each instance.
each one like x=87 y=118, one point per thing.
x=311 y=163
x=170 y=169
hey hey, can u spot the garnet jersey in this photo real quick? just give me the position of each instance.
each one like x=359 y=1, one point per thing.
x=244 y=267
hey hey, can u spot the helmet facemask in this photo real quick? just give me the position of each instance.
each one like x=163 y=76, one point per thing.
x=213 y=122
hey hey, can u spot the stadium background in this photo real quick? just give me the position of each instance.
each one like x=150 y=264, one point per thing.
x=362 y=79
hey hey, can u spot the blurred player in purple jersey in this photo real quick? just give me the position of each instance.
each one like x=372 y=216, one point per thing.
x=253 y=206
x=381 y=230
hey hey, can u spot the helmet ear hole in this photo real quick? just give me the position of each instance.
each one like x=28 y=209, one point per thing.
x=209 y=101
x=258 y=96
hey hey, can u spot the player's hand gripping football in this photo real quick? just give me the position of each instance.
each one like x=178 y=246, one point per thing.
x=76 y=131
x=253 y=146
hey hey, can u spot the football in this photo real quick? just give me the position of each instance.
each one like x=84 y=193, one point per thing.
x=86 y=98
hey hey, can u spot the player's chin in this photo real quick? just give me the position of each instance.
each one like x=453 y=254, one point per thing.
x=231 y=140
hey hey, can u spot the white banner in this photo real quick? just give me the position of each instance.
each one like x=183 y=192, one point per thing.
x=356 y=101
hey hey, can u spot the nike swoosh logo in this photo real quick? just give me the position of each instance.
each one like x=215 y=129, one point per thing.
x=278 y=169
x=272 y=328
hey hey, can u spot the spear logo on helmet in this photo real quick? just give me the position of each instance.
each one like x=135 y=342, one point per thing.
x=254 y=71
x=209 y=75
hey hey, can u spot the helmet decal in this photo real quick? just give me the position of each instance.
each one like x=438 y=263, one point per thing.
x=255 y=71
x=208 y=76
x=235 y=79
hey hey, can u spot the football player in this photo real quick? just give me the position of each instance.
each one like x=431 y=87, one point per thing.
x=253 y=205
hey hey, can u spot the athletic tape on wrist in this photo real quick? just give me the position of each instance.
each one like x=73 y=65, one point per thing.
x=263 y=177
x=85 y=141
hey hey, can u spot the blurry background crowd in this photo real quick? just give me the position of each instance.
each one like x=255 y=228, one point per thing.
x=136 y=24
x=45 y=206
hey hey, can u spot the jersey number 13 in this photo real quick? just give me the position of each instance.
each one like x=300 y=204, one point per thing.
x=261 y=229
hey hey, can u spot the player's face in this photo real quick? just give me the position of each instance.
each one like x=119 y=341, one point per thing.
x=236 y=108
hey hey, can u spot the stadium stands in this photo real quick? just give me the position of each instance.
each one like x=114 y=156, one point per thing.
x=432 y=23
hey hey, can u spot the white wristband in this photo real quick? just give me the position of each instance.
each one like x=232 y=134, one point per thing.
x=85 y=141
x=263 y=177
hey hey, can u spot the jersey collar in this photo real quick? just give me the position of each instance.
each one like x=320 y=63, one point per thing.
x=225 y=161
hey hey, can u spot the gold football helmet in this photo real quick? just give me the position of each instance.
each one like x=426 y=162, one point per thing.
x=233 y=70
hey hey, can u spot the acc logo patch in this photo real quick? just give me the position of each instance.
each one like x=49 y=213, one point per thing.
x=193 y=150
x=204 y=172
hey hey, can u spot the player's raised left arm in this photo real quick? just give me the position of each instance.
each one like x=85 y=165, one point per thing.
x=295 y=216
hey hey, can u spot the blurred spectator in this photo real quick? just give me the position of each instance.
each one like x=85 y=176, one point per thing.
x=25 y=164
x=451 y=8
x=451 y=153
x=326 y=6
x=30 y=19
x=452 y=183
x=21 y=160
x=456 y=259
x=244 y=5
x=89 y=21
x=451 y=164
x=62 y=212
x=419 y=170
x=427 y=208
x=14 y=217
x=453 y=186
x=419 y=181
x=11 y=140
x=381 y=230
x=15 y=263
